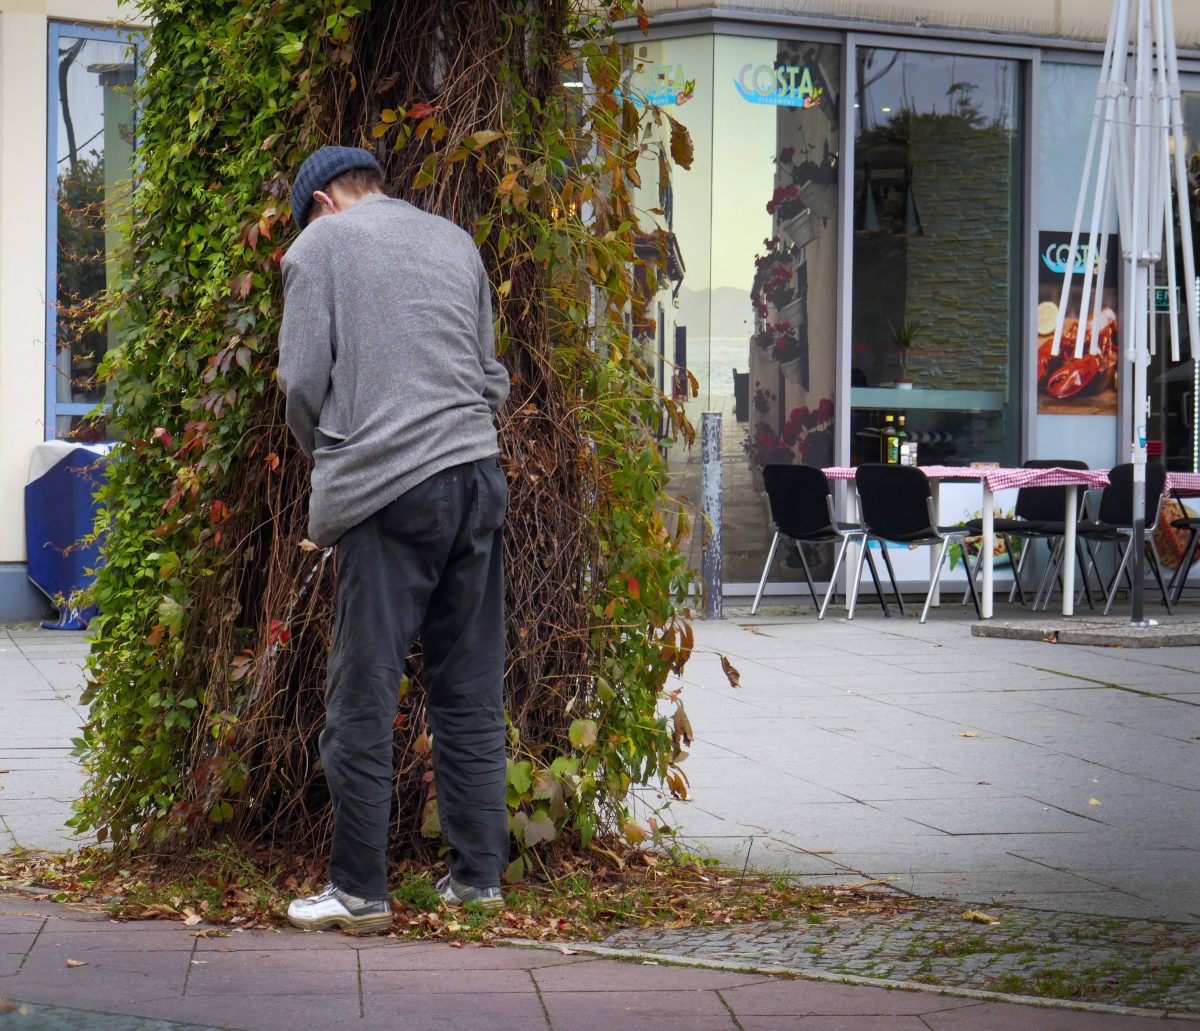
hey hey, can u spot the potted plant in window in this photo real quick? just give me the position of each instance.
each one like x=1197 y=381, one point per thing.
x=904 y=336
x=781 y=343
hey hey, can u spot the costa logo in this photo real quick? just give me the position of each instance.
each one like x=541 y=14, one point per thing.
x=1057 y=256
x=785 y=85
x=661 y=86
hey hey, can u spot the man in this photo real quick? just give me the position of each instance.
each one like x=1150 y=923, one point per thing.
x=388 y=365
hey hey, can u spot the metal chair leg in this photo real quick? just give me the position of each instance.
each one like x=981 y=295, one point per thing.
x=971 y=573
x=1156 y=566
x=974 y=593
x=1015 y=566
x=1085 y=587
x=766 y=569
x=862 y=557
x=1185 y=565
x=878 y=586
x=837 y=565
x=807 y=574
x=1116 y=580
x=1094 y=565
x=887 y=561
x=1048 y=574
x=936 y=576
x=1026 y=547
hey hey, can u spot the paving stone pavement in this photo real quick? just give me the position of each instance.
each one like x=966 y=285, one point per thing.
x=987 y=771
x=62 y=968
x=1057 y=785
x=1130 y=962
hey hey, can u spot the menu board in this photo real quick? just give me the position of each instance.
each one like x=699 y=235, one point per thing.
x=1067 y=385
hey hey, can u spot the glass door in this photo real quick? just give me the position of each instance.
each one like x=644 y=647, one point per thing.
x=1175 y=399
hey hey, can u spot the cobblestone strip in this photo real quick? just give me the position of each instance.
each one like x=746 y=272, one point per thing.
x=1124 y=962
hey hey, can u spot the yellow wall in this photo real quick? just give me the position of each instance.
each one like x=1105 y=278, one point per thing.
x=1073 y=18
x=23 y=69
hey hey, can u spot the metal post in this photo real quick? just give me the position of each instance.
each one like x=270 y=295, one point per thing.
x=710 y=508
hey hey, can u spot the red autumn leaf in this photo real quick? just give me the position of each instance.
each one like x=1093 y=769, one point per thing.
x=635 y=590
x=278 y=632
x=219 y=511
x=241 y=285
x=162 y=435
x=420 y=110
x=277 y=256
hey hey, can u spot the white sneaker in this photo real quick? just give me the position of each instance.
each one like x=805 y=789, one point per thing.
x=336 y=908
x=455 y=893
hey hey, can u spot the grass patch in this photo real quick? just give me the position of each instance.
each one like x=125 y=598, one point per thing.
x=584 y=899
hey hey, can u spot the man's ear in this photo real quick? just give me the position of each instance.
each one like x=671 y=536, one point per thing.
x=322 y=198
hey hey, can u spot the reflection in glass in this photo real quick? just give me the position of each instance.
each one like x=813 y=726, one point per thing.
x=794 y=292
x=936 y=248
x=1174 y=397
x=92 y=164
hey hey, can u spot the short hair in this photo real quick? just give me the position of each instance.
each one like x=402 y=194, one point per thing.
x=358 y=180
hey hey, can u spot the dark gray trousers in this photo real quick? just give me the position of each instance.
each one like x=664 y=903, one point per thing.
x=432 y=562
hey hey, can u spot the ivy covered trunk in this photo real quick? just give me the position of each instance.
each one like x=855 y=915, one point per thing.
x=208 y=667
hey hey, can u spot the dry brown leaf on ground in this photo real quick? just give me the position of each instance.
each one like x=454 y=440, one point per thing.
x=158 y=911
x=191 y=918
x=1094 y=801
x=77 y=962
x=975 y=916
x=7 y=1005
x=730 y=672
x=969 y=733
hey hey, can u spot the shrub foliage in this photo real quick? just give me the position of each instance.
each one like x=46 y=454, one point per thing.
x=207 y=670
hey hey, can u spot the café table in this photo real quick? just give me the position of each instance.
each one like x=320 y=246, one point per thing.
x=999 y=478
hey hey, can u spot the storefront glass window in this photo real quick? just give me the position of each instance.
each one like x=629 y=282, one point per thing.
x=937 y=242
x=1075 y=419
x=753 y=314
x=90 y=163
x=1175 y=386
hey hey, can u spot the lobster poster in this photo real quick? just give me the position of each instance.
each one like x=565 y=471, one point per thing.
x=1067 y=385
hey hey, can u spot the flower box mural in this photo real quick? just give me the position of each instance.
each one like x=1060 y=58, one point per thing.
x=794 y=292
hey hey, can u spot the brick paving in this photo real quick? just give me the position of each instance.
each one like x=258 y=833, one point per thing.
x=1037 y=782
x=1131 y=962
x=73 y=969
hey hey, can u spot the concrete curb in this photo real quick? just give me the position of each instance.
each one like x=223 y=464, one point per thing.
x=642 y=955
x=1114 y=632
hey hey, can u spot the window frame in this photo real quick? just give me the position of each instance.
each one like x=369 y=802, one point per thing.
x=56 y=30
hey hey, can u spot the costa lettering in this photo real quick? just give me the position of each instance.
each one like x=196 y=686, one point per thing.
x=662 y=86
x=1057 y=256
x=785 y=85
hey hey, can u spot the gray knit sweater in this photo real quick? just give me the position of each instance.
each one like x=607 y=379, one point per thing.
x=386 y=356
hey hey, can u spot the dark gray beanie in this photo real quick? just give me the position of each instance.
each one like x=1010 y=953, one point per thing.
x=319 y=169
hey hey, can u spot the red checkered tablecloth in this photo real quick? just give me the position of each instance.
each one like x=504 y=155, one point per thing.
x=1183 y=484
x=1000 y=478
x=1006 y=479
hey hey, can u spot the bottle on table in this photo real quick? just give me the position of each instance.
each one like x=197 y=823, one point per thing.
x=889 y=425
x=893 y=438
x=897 y=451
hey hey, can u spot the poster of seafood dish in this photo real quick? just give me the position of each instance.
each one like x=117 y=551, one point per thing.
x=1067 y=385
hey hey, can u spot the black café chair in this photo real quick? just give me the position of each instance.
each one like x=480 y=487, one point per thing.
x=897 y=506
x=1175 y=587
x=1114 y=524
x=802 y=509
x=1036 y=515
